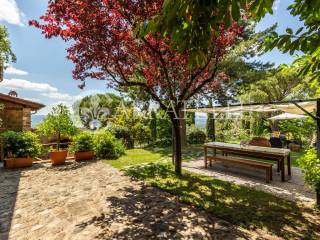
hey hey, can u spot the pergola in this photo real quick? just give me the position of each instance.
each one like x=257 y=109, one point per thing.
x=310 y=107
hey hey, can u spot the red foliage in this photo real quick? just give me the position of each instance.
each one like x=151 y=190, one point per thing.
x=104 y=46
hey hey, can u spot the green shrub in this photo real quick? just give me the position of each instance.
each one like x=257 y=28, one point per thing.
x=21 y=144
x=196 y=136
x=311 y=168
x=123 y=133
x=83 y=142
x=107 y=146
x=164 y=142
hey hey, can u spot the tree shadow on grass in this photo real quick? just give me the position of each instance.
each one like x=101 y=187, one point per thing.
x=148 y=213
x=190 y=152
x=239 y=205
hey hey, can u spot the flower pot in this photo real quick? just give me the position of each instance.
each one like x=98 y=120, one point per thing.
x=18 y=162
x=84 y=155
x=58 y=157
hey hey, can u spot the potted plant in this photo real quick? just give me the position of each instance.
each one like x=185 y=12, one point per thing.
x=310 y=165
x=83 y=146
x=20 y=148
x=57 y=123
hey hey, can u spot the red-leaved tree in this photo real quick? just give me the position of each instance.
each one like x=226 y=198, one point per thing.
x=104 y=45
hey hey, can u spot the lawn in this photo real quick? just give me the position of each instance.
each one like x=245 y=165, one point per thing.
x=191 y=152
x=140 y=156
x=240 y=205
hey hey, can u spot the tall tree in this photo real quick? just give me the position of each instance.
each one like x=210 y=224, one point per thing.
x=104 y=45
x=306 y=39
x=277 y=85
x=210 y=124
x=97 y=109
x=6 y=54
x=153 y=126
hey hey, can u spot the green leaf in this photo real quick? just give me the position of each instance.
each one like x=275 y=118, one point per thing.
x=289 y=30
x=299 y=30
x=235 y=10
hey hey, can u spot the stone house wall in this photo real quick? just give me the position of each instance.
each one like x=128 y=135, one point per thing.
x=14 y=117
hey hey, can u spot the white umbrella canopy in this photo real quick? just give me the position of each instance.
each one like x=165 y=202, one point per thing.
x=287 y=116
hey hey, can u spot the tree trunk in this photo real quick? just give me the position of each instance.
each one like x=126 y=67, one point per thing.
x=318 y=197
x=173 y=145
x=59 y=140
x=177 y=145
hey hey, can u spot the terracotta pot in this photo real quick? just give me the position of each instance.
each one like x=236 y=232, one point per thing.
x=58 y=157
x=84 y=155
x=259 y=141
x=18 y=162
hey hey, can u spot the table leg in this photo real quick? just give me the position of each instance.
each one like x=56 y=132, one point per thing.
x=289 y=164
x=205 y=157
x=282 y=169
x=210 y=160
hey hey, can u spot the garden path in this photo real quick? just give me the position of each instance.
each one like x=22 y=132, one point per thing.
x=294 y=189
x=92 y=200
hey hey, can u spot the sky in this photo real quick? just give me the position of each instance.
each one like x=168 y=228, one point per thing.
x=43 y=74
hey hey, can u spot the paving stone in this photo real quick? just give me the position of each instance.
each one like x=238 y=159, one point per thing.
x=92 y=200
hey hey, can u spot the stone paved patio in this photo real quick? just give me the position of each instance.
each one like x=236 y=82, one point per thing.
x=294 y=189
x=95 y=201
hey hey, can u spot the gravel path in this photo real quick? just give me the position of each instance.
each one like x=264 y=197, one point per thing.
x=293 y=189
x=95 y=201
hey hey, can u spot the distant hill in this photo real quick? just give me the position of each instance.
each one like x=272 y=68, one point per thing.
x=36 y=119
x=200 y=120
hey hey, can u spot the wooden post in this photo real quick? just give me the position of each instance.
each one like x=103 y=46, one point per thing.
x=214 y=133
x=214 y=128
x=205 y=156
x=318 y=127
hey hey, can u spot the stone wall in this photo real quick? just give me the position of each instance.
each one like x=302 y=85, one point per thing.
x=14 y=117
x=26 y=119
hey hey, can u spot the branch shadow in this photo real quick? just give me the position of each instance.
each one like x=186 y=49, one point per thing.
x=149 y=213
x=239 y=205
x=9 y=186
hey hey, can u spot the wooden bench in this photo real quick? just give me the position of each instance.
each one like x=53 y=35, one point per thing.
x=251 y=163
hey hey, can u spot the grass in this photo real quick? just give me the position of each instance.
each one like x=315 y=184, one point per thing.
x=239 y=205
x=191 y=152
x=139 y=156
x=142 y=156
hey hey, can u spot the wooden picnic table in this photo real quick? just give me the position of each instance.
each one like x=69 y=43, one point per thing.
x=266 y=153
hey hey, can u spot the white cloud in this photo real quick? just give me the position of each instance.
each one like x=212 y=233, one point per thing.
x=276 y=5
x=9 y=12
x=60 y=96
x=27 y=85
x=32 y=99
x=14 y=71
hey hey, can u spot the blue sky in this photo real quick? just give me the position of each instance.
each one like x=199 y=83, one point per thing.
x=42 y=72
